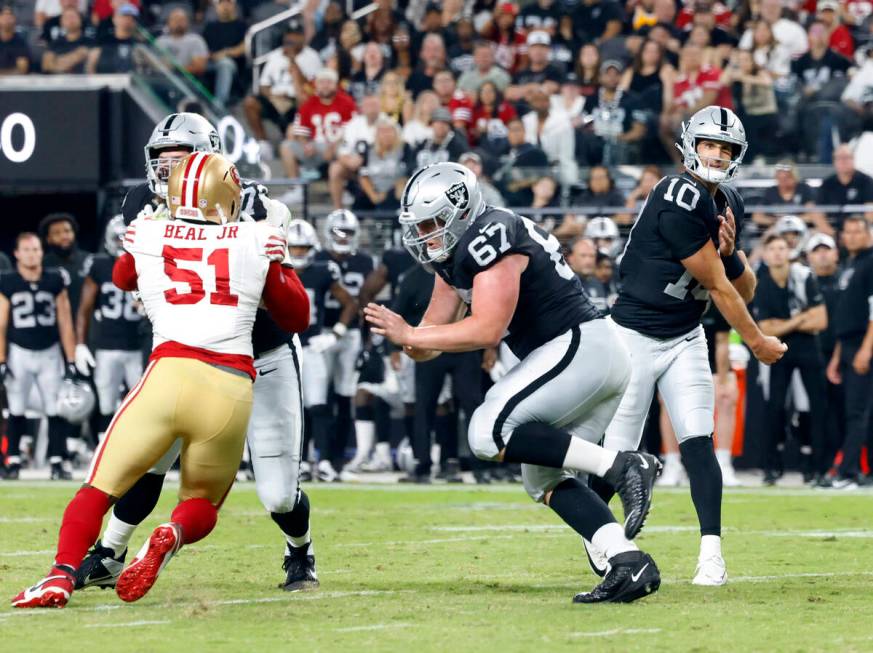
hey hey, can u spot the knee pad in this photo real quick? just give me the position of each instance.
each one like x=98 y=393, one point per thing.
x=480 y=438
x=698 y=422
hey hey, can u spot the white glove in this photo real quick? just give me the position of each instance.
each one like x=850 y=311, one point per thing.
x=84 y=360
x=278 y=215
x=498 y=371
x=149 y=212
x=322 y=342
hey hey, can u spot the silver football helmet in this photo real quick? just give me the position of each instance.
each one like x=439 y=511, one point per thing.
x=439 y=203
x=113 y=234
x=604 y=232
x=75 y=401
x=713 y=123
x=342 y=232
x=188 y=131
x=794 y=230
x=302 y=234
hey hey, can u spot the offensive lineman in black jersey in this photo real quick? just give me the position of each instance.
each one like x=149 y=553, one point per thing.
x=679 y=255
x=275 y=433
x=341 y=345
x=323 y=281
x=116 y=342
x=37 y=325
x=550 y=410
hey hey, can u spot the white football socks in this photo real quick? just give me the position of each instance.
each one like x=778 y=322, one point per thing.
x=710 y=545
x=297 y=542
x=365 y=435
x=383 y=451
x=117 y=534
x=587 y=457
x=610 y=539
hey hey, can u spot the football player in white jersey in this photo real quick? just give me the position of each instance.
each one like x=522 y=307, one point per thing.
x=201 y=277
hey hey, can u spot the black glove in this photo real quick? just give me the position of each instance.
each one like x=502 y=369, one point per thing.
x=4 y=372
x=71 y=373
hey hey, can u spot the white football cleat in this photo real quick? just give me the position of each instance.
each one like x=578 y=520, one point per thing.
x=135 y=581
x=729 y=476
x=710 y=572
x=672 y=475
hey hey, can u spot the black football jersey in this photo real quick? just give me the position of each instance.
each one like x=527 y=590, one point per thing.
x=139 y=197
x=397 y=261
x=658 y=296
x=353 y=270
x=317 y=279
x=550 y=300
x=115 y=316
x=33 y=320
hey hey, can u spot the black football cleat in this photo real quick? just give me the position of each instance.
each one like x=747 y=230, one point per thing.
x=632 y=575
x=59 y=473
x=299 y=566
x=100 y=568
x=11 y=472
x=633 y=477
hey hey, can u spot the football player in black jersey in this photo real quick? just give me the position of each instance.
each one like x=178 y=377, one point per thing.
x=342 y=345
x=275 y=434
x=508 y=277
x=117 y=342
x=322 y=280
x=37 y=326
x=679 y=255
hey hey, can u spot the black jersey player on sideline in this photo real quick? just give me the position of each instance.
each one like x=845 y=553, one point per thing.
x=341 y=345
x=275 y=432
x=550 y=410
x=322 y=282
x=679 y=255
x=116 y=341
x=37 y=326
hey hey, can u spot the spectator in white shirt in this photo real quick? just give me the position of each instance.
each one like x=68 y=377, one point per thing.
x=45 y=9
x=358 y=135
x=281 y=84
x=787 y=32
x=553 y=132
x=416 y=126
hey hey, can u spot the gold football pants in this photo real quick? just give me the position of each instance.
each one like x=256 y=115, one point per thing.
x=206 y=407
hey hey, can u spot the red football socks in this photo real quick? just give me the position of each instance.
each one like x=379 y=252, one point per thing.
x=80 y=527
x=197 y=517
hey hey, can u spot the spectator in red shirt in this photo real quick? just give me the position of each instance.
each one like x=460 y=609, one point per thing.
x=696 y=86
x=511 y=51
x=103 y=9
x=458 y=104
x=490 y=115
x=317 y=130
x=840 y=39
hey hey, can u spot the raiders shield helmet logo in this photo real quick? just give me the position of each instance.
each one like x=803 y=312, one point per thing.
x=458 y=195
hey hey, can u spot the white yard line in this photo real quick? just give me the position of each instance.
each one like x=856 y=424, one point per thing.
x=357 y=629
x=617 y=631
x=127 y=624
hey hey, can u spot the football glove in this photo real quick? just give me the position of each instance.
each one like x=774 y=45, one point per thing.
x=5 y=373
x=71 y=373
x=84 y=360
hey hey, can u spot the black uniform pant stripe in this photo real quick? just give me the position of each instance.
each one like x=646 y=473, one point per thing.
x=538 y=383
x=300 y=439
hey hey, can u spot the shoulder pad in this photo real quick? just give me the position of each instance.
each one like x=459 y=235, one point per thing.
x=135 y=201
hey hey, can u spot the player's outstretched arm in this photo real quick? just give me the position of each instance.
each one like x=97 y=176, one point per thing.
x=286 y=298
x=495 y=295
x=747 y=281
x=124 y=272
x=445 y=307
x=705 y=266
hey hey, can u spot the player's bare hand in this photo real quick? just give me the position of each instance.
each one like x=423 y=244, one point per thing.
x=489 y=358
x=861 y=362
x=769 y=349
x=386 y=322
x=833 y=372
x=727 y=233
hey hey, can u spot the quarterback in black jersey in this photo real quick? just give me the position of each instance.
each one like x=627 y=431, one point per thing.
x=275 y=432
x=36 y=336
x=680 y=255
x=548 y=413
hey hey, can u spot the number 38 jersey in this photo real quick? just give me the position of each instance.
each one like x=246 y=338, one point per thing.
x=33 y=322
x=659 y=297
x=550 y=300
x=115 y=314
x=200 y=283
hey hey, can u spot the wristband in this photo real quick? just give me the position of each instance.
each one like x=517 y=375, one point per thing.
x=733 y=266
x=340 y=329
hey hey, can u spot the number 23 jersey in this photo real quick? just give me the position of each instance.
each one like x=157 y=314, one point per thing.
x=659 y=297
x=32 y=307
x=550 y=299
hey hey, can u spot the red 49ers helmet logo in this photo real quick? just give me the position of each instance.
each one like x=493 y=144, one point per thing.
x=235 y=176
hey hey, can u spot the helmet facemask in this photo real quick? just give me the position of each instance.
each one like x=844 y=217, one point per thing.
x=718 y=125
x=430 y=240
x=159 y=168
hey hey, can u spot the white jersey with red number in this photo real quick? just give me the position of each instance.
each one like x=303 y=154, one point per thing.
x=200 y=283
x=324 y=123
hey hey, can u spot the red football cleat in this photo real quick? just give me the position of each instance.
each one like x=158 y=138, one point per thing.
x=135 y=581
x=53 y=591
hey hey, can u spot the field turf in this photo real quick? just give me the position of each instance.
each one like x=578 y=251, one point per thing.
x=458 y=568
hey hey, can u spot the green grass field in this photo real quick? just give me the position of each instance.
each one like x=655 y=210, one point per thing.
x=460 y=569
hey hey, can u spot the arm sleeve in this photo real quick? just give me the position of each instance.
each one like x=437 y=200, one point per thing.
x=124 y=272
x=683 y=231
x=286 y=298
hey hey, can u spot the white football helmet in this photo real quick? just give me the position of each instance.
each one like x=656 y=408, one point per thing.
x=795 y=231
x=604 y=232
x=713 y=123
x=439 y=203
x=113 y=234
x=302 y=234
x=75 y=401
x=189 y=131
x=342 y=232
